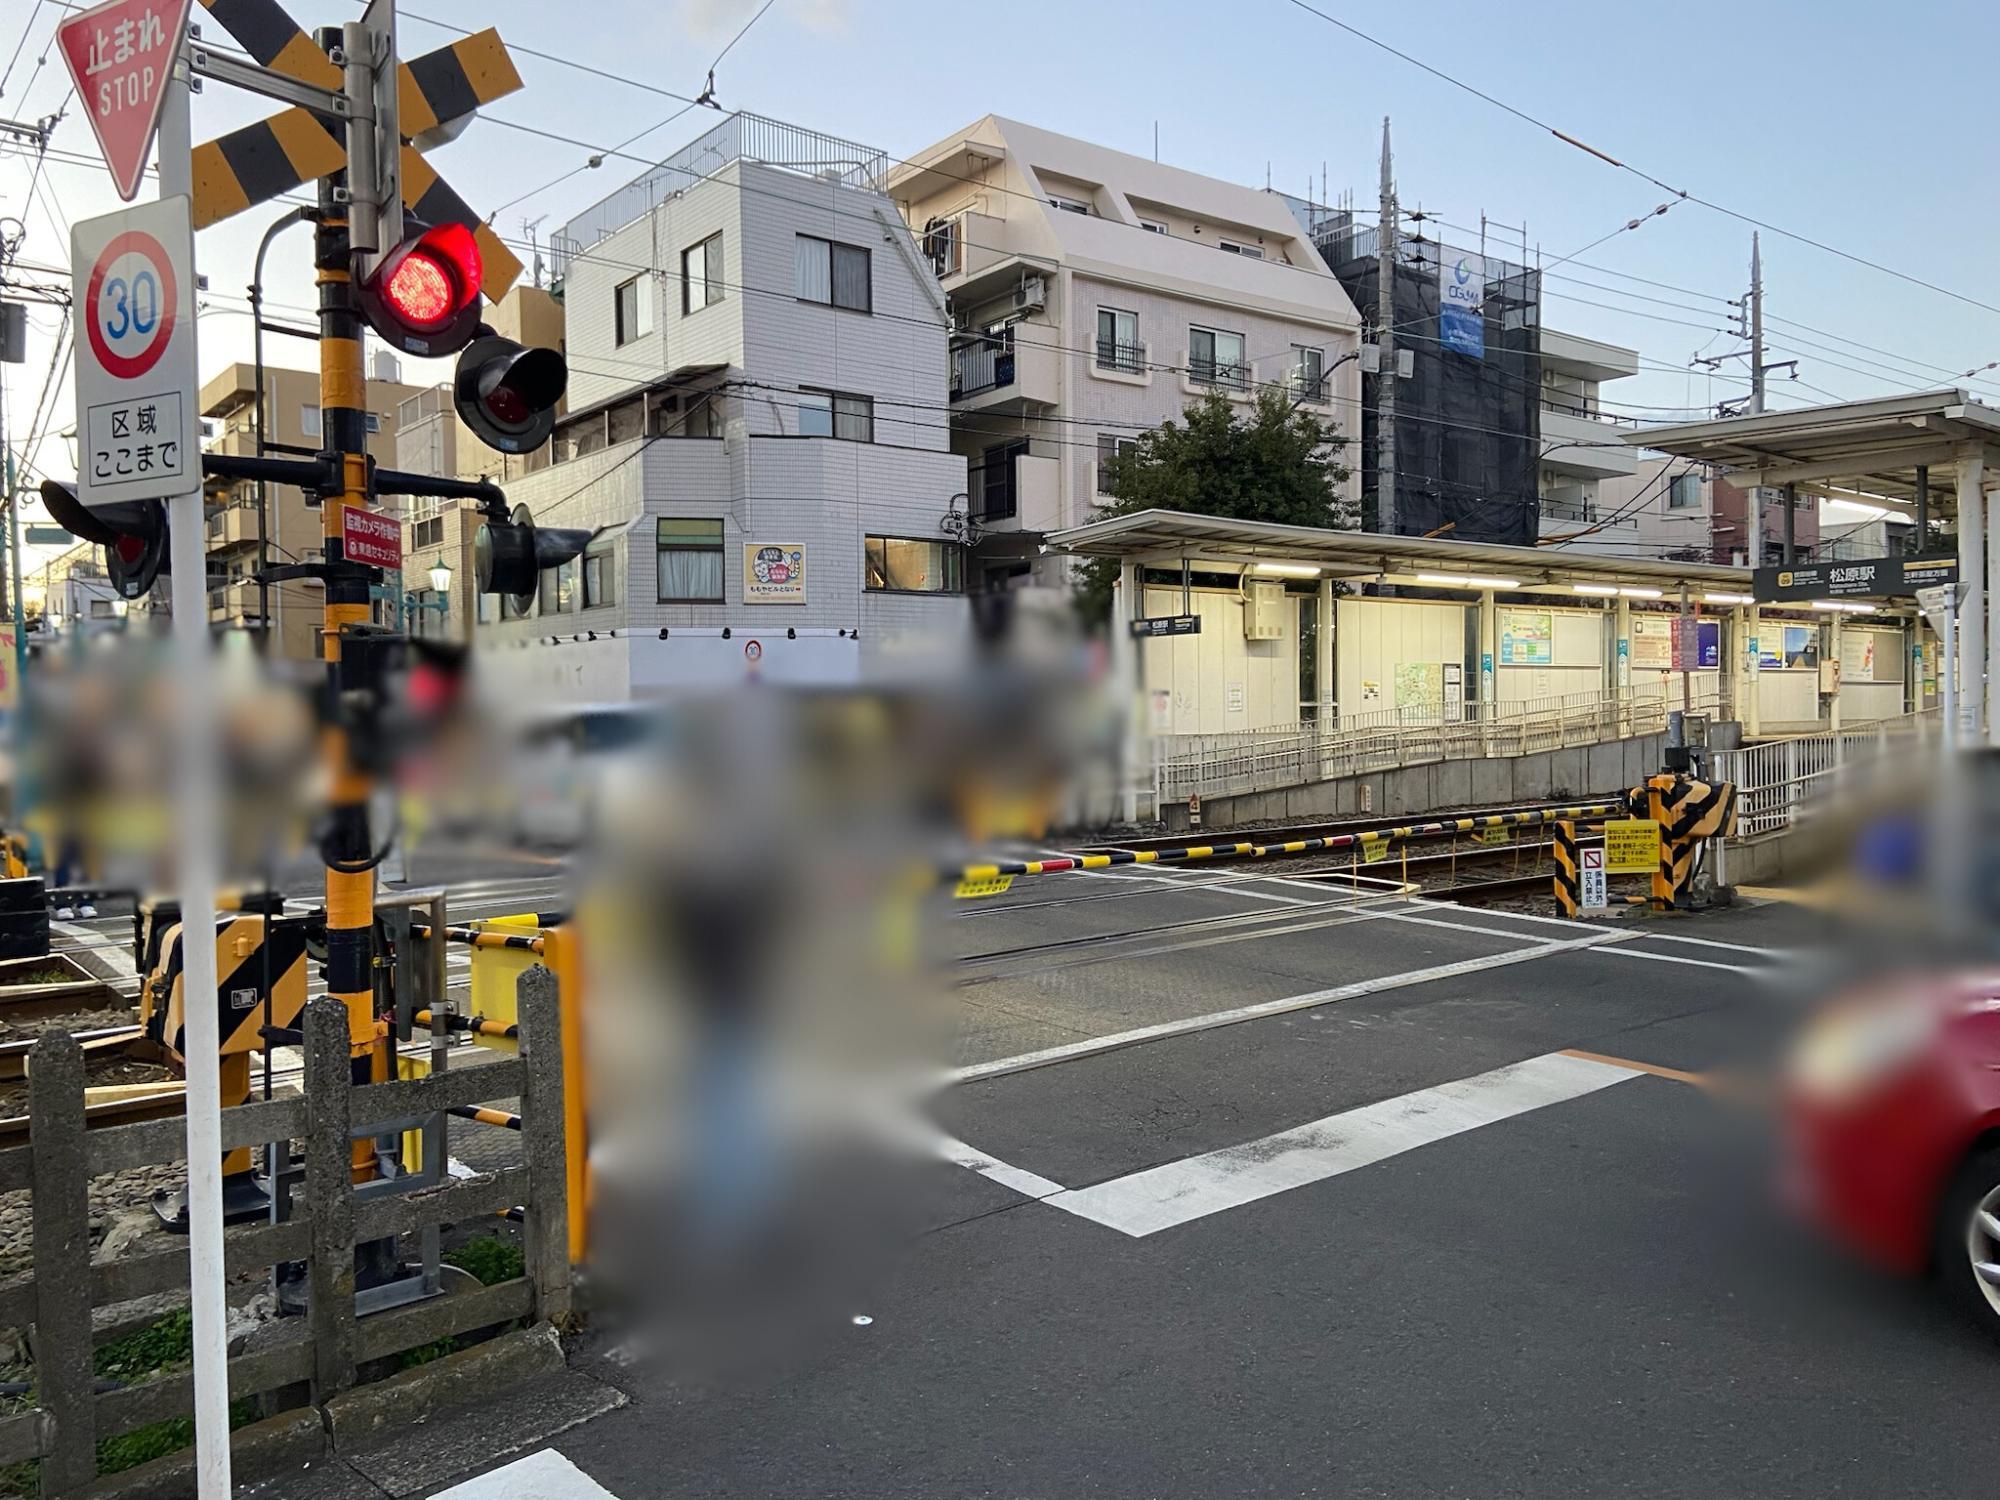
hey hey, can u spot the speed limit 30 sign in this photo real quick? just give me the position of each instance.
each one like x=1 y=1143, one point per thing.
x=138 y=427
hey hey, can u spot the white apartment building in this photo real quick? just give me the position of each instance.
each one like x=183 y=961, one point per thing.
x=757 y=430
x=1095 y=294
x=1664 y=508
x=1583 y=446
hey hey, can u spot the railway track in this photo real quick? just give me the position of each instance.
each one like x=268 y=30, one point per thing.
x=1337 y=828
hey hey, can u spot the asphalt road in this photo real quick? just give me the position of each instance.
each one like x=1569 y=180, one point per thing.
x=1396 y=1240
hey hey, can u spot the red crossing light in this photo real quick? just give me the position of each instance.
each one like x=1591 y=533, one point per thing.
x=424 y=297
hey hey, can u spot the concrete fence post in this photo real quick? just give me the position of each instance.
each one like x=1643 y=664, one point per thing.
x=330 y=1195
x=64 y=1378
x=545 y=1232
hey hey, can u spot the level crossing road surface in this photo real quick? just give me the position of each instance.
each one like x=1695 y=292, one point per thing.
x=1252 y=1189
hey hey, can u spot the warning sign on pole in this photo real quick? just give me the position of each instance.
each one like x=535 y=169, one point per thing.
x=120 y=55
x=1631 y=846
x=1592 y=893
x=132 y=279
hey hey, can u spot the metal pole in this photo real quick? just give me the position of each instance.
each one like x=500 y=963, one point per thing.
x=1755 y=500
x=296 y=216
x=14 y=569
x=197 y=801
x=1948 y=677
x=1921 y=538
x=1385 y=339
x=1972 y=574
x=1690 y=658
x=1791 y=524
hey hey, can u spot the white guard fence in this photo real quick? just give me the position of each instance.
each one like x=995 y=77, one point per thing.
x=1222 y=765
x=1782 y=782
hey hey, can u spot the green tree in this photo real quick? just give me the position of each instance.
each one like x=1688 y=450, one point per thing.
x=1276 y=462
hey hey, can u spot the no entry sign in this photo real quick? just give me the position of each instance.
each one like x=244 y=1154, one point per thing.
x=120 y=55
x=138 y=430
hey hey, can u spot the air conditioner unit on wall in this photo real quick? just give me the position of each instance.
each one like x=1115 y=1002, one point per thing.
x=1031 y=293
x=1263 y=611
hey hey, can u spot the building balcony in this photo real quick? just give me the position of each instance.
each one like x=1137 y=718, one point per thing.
x=236 y=600
x=234 y=526
x=988 y=375
x=1018 y=492
x=1586 y=443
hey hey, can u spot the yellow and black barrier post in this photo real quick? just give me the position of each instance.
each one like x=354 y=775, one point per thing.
x=1566 y=866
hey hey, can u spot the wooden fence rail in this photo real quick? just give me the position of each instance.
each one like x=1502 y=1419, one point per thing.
x=328 y=1347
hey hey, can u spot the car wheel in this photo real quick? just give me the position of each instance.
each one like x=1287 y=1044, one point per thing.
x=1968 y=1240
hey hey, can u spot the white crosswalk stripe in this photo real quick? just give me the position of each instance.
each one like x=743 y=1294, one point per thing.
x=546 y=1475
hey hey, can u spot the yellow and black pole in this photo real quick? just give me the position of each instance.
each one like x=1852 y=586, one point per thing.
x=347 y=848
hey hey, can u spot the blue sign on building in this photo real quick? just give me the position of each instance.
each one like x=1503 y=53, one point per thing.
x=1461 y=315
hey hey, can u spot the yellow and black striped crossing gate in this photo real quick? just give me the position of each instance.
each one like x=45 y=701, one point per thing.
x=1689 y=813
x=256 y=163
x=240 y=964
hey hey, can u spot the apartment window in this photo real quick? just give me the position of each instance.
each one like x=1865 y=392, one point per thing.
x=599 y=580
x=690 y=561
x=1118 y=346
x=1253 y=252
x=704 y=417
x=993 y=480
x=701 y=274
x=1684 y=492
x=1216 y=358
x=835 y=274
x=426 y=533
x=633 y=309
x=1152 y=226
x=559 y=589
x=836 y=414
x=941 y=246
x=910 y=565
x=1109 y=446
x=1308 y=373
x=1068 y=205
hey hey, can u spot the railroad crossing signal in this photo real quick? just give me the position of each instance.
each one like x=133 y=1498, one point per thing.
x=434 y=92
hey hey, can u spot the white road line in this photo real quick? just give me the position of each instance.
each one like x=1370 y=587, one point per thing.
x=1699 y=963
x=1023 y=1182
x=1120 y=1039
x=1772 y=953
x=1162 y=1197
x=546 y=1475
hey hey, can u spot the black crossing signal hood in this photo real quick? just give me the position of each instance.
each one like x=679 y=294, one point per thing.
x=508 y=556
x=507 y=393
x=424 y=296
x=133 y=534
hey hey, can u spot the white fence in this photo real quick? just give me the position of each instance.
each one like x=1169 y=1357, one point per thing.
x=1218 y=765
x=1782 y=782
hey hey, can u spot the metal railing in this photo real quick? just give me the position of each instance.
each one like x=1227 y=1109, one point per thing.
x=741 y=136
x=1129 y=359
x=1233 y=376
x=980 y=367
x=1211 y=765
x=1783 y=782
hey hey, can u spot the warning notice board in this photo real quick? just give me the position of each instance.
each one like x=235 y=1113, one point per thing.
x=1631 y=846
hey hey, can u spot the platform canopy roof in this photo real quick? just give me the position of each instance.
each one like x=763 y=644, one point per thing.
x=1163 y=537
x=1867 y=451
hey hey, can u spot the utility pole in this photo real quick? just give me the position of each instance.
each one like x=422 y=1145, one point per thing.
x=1385 y=339
x=1755 y=314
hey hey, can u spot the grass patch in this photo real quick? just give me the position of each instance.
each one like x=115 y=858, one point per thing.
x=491 y=1260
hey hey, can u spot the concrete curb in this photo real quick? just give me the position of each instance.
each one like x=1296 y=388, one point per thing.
x=294 y=1441
x=471 y=1375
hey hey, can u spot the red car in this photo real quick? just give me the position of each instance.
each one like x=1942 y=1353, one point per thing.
x=1892 y=1117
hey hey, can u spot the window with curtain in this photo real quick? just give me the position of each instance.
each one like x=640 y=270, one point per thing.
x=831 y=273
x=690 y=561
x=913 y=565
x=701 y=274
x=1118 y=340
x=1216 y=358
x=632 y=309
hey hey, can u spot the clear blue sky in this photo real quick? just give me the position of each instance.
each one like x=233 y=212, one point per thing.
x=1784 y=109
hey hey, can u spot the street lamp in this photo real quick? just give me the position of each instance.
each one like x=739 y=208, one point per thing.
x=441 y=576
